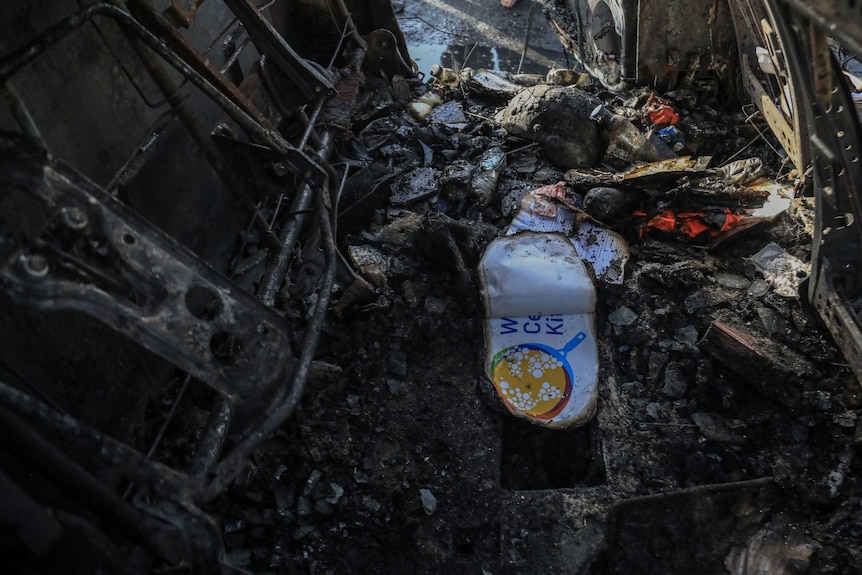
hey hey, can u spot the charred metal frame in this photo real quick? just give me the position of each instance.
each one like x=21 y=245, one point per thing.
x=775 y=96
x=808 y=107
x=834 y=142
x=97 y=256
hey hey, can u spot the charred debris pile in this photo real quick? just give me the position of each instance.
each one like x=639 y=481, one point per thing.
x=684 y=413
x=725 y=432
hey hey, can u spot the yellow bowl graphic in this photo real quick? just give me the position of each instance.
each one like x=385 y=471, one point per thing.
x=533 y=379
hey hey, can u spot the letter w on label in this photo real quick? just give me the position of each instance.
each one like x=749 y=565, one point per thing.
x=534 y=324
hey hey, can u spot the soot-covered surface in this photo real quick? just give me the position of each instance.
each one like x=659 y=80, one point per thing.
x=402 y=459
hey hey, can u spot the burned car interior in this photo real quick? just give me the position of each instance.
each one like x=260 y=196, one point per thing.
x=269 y=287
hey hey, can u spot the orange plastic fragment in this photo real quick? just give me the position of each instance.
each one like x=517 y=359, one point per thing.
x=731 y=220
x=692 y=225
x=665 y=221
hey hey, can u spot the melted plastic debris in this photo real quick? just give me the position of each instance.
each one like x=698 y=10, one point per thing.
x=543 y=210
x=783 y=271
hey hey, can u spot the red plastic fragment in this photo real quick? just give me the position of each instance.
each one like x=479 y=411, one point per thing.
x=660 y=112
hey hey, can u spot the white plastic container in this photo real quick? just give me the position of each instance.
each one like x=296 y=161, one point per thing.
x=541 y=351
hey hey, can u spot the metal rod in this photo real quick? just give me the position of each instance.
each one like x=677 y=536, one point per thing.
x=337 y=199
x=169 y=417
x=142 y=153
x=287 y=401
x=276 y=209
x=268 y=41
x=235 y=56
x=21 y=113
x=708 y=489
x=212 y=439
x=527 y=35
x=236 y=258
x=186 y=51
x=341 y=38
x=263 y=67
x=354 y=33
x=161 y=433
x=309 y=128
x=130 y=76
x=271 y=283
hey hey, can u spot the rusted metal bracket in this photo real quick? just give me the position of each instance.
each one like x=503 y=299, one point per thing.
x=92 y=254
x=183 y=15
x=145 y=14
x=310 y=81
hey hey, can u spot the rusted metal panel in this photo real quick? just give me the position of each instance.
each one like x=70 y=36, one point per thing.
x=684 y=43
x=694 y=36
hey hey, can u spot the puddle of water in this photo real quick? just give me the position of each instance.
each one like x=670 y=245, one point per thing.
x=491 y=58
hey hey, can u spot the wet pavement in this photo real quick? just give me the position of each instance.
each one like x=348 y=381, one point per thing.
x=458 y=33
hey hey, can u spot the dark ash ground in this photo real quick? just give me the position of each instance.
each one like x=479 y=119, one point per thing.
x=400 y=459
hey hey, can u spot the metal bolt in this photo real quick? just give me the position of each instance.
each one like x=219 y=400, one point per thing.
x=74 y=217
x=36 y=265
x=280 y=169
